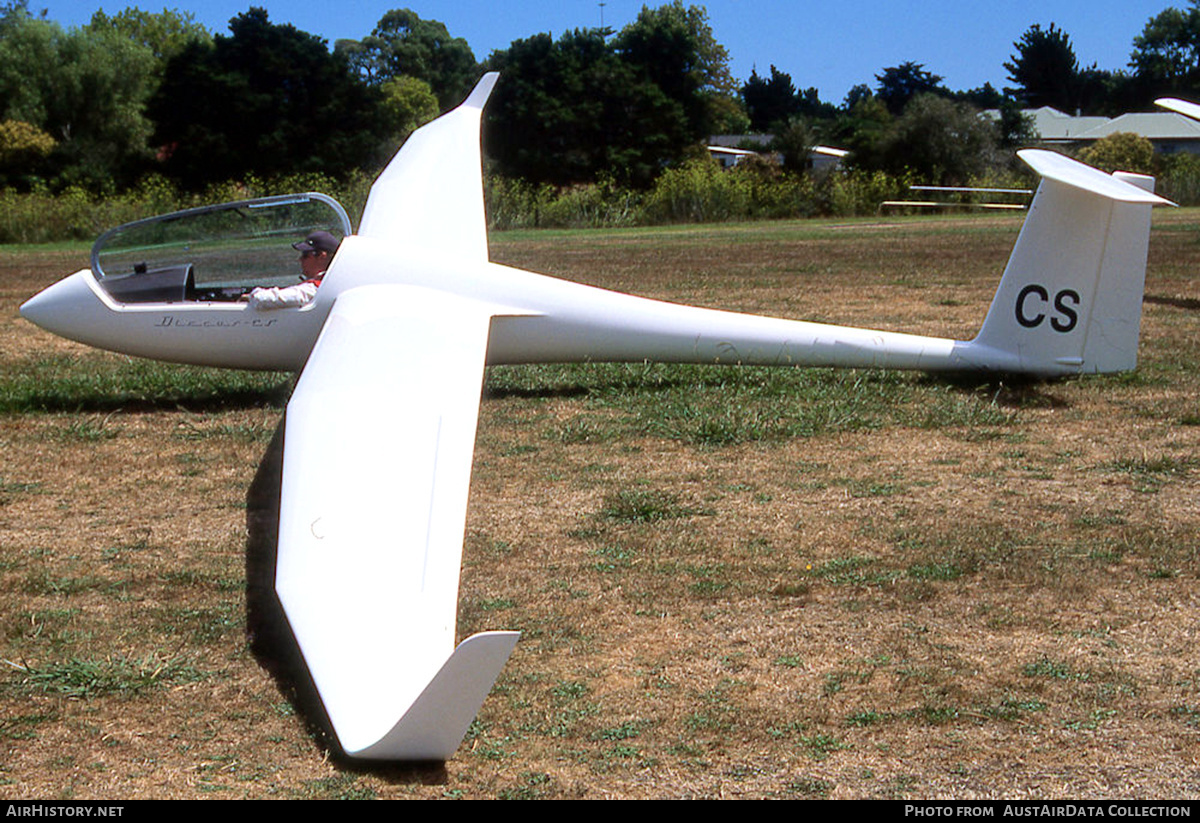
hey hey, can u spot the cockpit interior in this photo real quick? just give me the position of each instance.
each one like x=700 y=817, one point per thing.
x=213 y=253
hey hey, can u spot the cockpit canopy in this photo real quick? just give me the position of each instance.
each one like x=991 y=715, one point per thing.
x=214 y=252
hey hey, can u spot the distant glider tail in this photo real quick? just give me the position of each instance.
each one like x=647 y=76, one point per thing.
x=1070 y=300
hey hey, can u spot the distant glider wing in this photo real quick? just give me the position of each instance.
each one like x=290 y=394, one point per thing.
x=1183 y=107
x=431 y=194
x=378 y=443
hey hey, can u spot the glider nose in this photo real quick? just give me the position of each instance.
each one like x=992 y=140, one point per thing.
x=60 y=307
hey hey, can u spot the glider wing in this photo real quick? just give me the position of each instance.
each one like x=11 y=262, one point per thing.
x=378 y=443
x=431 y=194
x=1184 y=107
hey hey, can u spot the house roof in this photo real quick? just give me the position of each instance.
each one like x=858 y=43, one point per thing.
x=1053 y=125
x=1151 y=125
x=735 y=140
x=715 y=149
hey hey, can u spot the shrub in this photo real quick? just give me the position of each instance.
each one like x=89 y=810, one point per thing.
x=695 y=191
x=1179 y=179
x=1123 y=151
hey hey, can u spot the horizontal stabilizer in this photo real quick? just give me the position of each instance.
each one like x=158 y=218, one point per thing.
x=1054 y=166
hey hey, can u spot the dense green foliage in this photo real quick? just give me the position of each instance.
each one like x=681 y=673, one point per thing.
x=1046 y=70
x=1166 y=56
x=267 y=99
x=584 y=105
x=404 y=45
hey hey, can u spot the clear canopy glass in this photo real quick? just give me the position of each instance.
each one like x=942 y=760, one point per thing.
x=214 y=252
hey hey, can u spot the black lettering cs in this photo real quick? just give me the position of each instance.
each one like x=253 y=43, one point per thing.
x=1032 y=316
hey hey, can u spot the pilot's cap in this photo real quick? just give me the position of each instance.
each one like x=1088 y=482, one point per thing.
x=317 y=241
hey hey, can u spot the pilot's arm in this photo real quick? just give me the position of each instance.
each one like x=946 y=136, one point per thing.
x=283 y=297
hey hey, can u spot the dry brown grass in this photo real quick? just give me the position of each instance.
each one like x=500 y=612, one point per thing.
x=996 y=602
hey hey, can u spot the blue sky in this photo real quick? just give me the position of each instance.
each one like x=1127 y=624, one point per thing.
x=830 y=45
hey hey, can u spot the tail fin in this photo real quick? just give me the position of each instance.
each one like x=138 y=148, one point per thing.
x=1070 y=300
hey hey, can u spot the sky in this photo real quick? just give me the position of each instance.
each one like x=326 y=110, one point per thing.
x=830 y=45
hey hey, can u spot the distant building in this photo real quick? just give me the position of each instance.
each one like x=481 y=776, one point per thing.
x=1170 y=133
x=729 y=157
x=730 y=149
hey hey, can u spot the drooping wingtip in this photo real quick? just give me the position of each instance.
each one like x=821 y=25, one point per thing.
x=1055 y=166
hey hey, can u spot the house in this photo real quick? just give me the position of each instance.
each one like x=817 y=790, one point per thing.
x=728 y=149
x=1169 y=132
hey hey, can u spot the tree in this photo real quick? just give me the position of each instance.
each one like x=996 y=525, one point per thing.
x=729 y=115
x=86 y=89
x=794 y=140
x=940 y=141
x=673 y=49
x=862 y=128
x=584 y=106
x=809 y=104
x=1166 y=55
x=166 y=33
x=402 y=44
x=1045 y=69
x=267 y=98
x=984 y=97
x=409 y=104
x=856 y=95
x=1015 y=128
x=769 y=102
x=899 y=84
x=1047 y=73
x=566 y=111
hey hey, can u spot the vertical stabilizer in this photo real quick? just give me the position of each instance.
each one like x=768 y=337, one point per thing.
x=1071 y=297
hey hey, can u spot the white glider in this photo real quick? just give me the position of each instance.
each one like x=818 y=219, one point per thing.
x=1183 y=107
x=380 y=431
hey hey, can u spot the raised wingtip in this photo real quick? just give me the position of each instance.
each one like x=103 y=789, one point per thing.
x=482 y=91
x=434 y=725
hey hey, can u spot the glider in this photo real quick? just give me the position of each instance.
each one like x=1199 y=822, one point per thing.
x=379 y=433
x=1184 y=107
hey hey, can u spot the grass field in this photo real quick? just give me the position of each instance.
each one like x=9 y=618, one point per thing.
x=729 y=582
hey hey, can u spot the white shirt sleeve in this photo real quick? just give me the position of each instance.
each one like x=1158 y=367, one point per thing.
x=283 y=297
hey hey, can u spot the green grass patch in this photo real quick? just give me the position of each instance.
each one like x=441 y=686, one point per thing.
x=101 y=382
x=715 y=406
x=638 y=505
x=87 y=678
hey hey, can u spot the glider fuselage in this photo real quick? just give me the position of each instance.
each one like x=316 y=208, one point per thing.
x=552 y=320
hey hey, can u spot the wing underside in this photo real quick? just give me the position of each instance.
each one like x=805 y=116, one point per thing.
x=378 y=444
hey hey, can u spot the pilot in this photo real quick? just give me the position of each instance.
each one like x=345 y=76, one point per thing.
x=316 y=251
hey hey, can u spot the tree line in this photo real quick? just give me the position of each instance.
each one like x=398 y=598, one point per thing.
x=102 y=106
